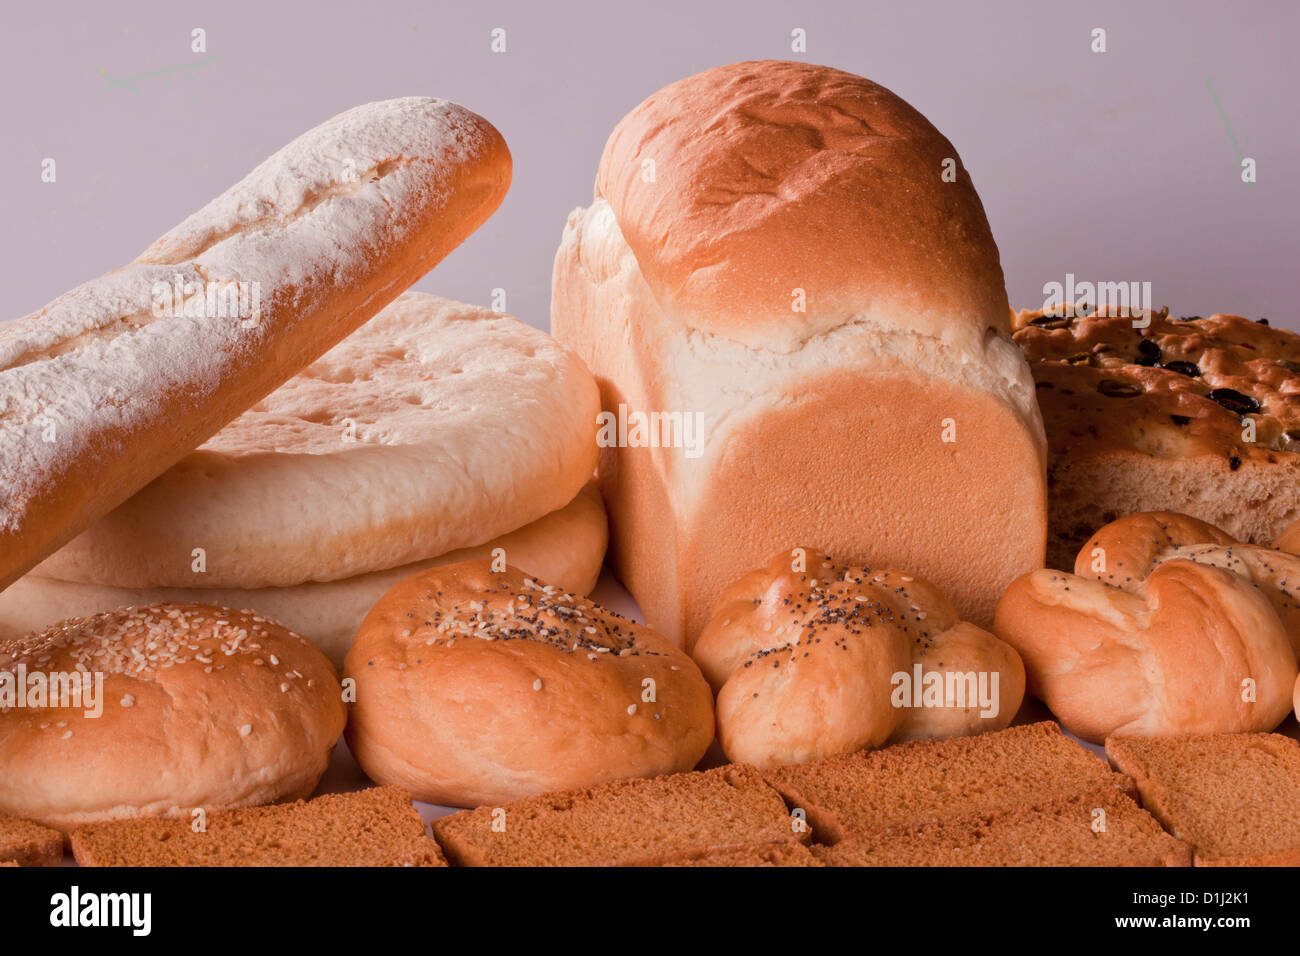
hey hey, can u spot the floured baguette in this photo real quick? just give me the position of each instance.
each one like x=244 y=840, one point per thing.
x=111 y=383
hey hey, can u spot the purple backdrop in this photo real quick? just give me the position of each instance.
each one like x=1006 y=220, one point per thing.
x=1123 y=165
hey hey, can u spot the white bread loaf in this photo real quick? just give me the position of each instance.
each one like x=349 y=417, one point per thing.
x=724 y=202
x=110 y=384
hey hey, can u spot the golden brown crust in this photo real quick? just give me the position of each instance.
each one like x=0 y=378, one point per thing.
x=1125 y=552
x=1126 y=408
x=770 y=176
x=804 y=654
x=565 y=546
x=1289 y=539
x=201 y=707
x=479 y=687
x=1179 y=387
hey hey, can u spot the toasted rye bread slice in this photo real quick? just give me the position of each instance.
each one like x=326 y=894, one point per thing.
x=24 y=843
x=929 y=781
x=1234 y=797
x=1102 y=828
x=789 y=853
x=627 y=823
x=375 y=827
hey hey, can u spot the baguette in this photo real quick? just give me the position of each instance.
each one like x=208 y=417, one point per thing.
x=110 y=384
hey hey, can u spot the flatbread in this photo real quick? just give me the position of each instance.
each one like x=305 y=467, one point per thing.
x=565 y=548
x=436 y=426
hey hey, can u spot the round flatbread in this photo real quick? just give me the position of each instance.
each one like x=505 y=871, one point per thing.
x=565 y=548
x=434 y=427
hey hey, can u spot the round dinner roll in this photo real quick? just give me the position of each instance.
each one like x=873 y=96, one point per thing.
x=436 y=426
x=812 y=657
x=478 y=687
x=565 y=546
x=182 y=707
x=1164 y=636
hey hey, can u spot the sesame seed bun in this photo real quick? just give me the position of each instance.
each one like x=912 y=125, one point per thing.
x=475 y=687
x=202 y=707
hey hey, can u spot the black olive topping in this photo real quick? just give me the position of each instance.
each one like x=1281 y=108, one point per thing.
x=1116 y=389
x=1190 y=369
x=1150 y=353
x=1234 y=401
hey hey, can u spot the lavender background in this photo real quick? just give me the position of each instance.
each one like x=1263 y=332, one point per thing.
x=1114 y=166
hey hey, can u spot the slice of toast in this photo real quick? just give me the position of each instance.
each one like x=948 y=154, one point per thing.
x=24 y=843
x=1235 y=798
x=375 y=827
x=789 y=853
x=929 y=781
x=1102 y=828
x=629 y=822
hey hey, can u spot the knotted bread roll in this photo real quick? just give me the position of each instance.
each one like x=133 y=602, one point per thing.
x=1289 y=540
x=810 y=657
x=1168 y=626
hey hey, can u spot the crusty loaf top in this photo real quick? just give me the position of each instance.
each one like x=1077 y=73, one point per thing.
x=742 y=186
x=1175 y=389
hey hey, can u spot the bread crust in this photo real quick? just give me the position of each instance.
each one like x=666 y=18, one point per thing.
x=1124 y=552
x=1156 y=419
x=102 y=390
x=770 y=176
x=476 y=687
x=202 y=708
